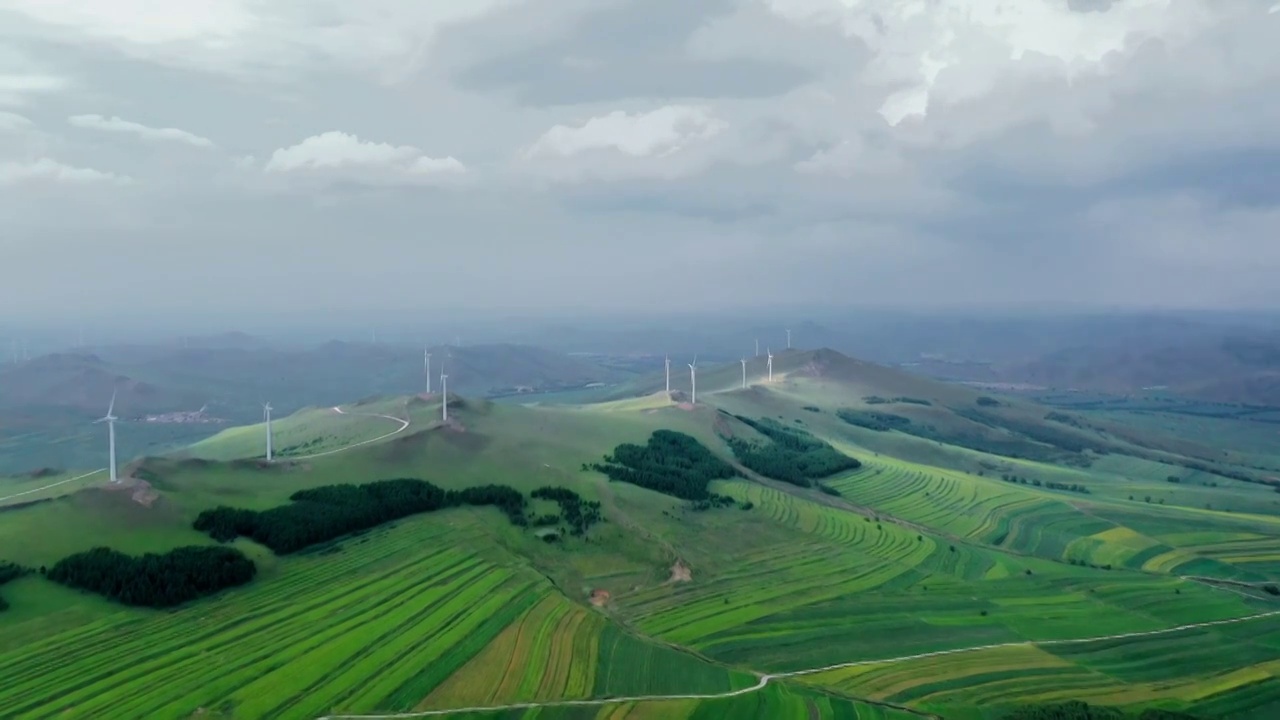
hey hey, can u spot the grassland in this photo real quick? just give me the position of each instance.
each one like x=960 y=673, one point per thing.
x=304 y=434
x=919 y=554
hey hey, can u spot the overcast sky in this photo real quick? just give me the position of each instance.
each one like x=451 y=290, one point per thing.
x=546 y=154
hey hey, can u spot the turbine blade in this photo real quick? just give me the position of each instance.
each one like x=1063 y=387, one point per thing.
x=112 y=406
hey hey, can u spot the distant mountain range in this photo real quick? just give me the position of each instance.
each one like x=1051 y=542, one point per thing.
x=1230 y=368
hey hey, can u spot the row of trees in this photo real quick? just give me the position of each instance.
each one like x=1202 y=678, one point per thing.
x=1051 y=484
x=671 y=463
x=10 y=571
x=152 y=580
x=326 y=513
x=1028 y=441
x=577 y=513
x=792 y=455
x=1076 y=710
x=877 y=400
x=872 y=420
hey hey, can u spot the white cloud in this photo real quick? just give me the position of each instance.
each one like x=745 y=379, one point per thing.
x=671 y=141
x=248 y=37
x=48 y=170
x=664 y=131
x=17 y=89
x=342 y=155
x=958 y=50
x=10 y=122
x=118 y=125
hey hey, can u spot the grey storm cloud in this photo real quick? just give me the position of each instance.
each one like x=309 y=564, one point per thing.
x=618 y=154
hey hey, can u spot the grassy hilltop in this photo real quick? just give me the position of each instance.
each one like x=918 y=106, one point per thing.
x=981 y=557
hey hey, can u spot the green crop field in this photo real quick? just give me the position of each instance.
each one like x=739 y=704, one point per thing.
x=920 y=582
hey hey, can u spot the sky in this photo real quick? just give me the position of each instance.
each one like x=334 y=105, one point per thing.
x=309 y=156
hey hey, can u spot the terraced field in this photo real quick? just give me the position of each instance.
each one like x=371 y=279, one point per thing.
x=1065 y=526
x=1227 y=667
x=773 y=701
x=381 y=625
x=858 y=590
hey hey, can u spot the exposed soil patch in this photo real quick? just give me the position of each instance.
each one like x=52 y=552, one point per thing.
x=685 y=406
x=599 y=597
x=144 y=494
x=681 y=572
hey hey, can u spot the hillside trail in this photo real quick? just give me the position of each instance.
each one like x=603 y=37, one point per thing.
x=52 y=485
x=766 y=678
x=404 y=425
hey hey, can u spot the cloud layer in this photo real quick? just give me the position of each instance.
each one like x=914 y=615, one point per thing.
x=629 y=153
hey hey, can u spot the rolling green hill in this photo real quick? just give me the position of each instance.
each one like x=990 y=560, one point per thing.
x=47 y=404
x=934 y=579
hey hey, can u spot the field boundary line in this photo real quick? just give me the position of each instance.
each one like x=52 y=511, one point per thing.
x=765 y=679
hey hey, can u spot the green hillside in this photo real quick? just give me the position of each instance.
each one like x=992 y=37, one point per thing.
x=48 y=404
x=932 y=577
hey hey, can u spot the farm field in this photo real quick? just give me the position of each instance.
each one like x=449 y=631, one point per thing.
x=773 y=701
x=906 y=586
x=378 y=625
x=1061 y=525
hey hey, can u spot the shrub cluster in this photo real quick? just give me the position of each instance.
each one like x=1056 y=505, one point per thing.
x=152 y=580
x=671 y=463
x=579 y=514
x=792 y=455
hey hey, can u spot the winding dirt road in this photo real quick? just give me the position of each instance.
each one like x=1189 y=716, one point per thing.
x=404 y=425
x=52 y=485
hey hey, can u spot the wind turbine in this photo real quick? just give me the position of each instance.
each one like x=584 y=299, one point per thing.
x=266 y=415
x=693 y=381
x=744 y=373
x=426 y=368
x=444 y=397
x=667 y=362
x=770 y=365
x=788 y=339
x=757 y=347
x=110 y=420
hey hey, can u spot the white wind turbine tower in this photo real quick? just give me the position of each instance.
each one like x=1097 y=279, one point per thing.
x=667 y=361
x=426 y=368
x=788 y=339
x=744 y=373
x=757 y=347
x=770 y=365
x=266 y=415
x=444 y=397
x=693 y=381
x=110 y=420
